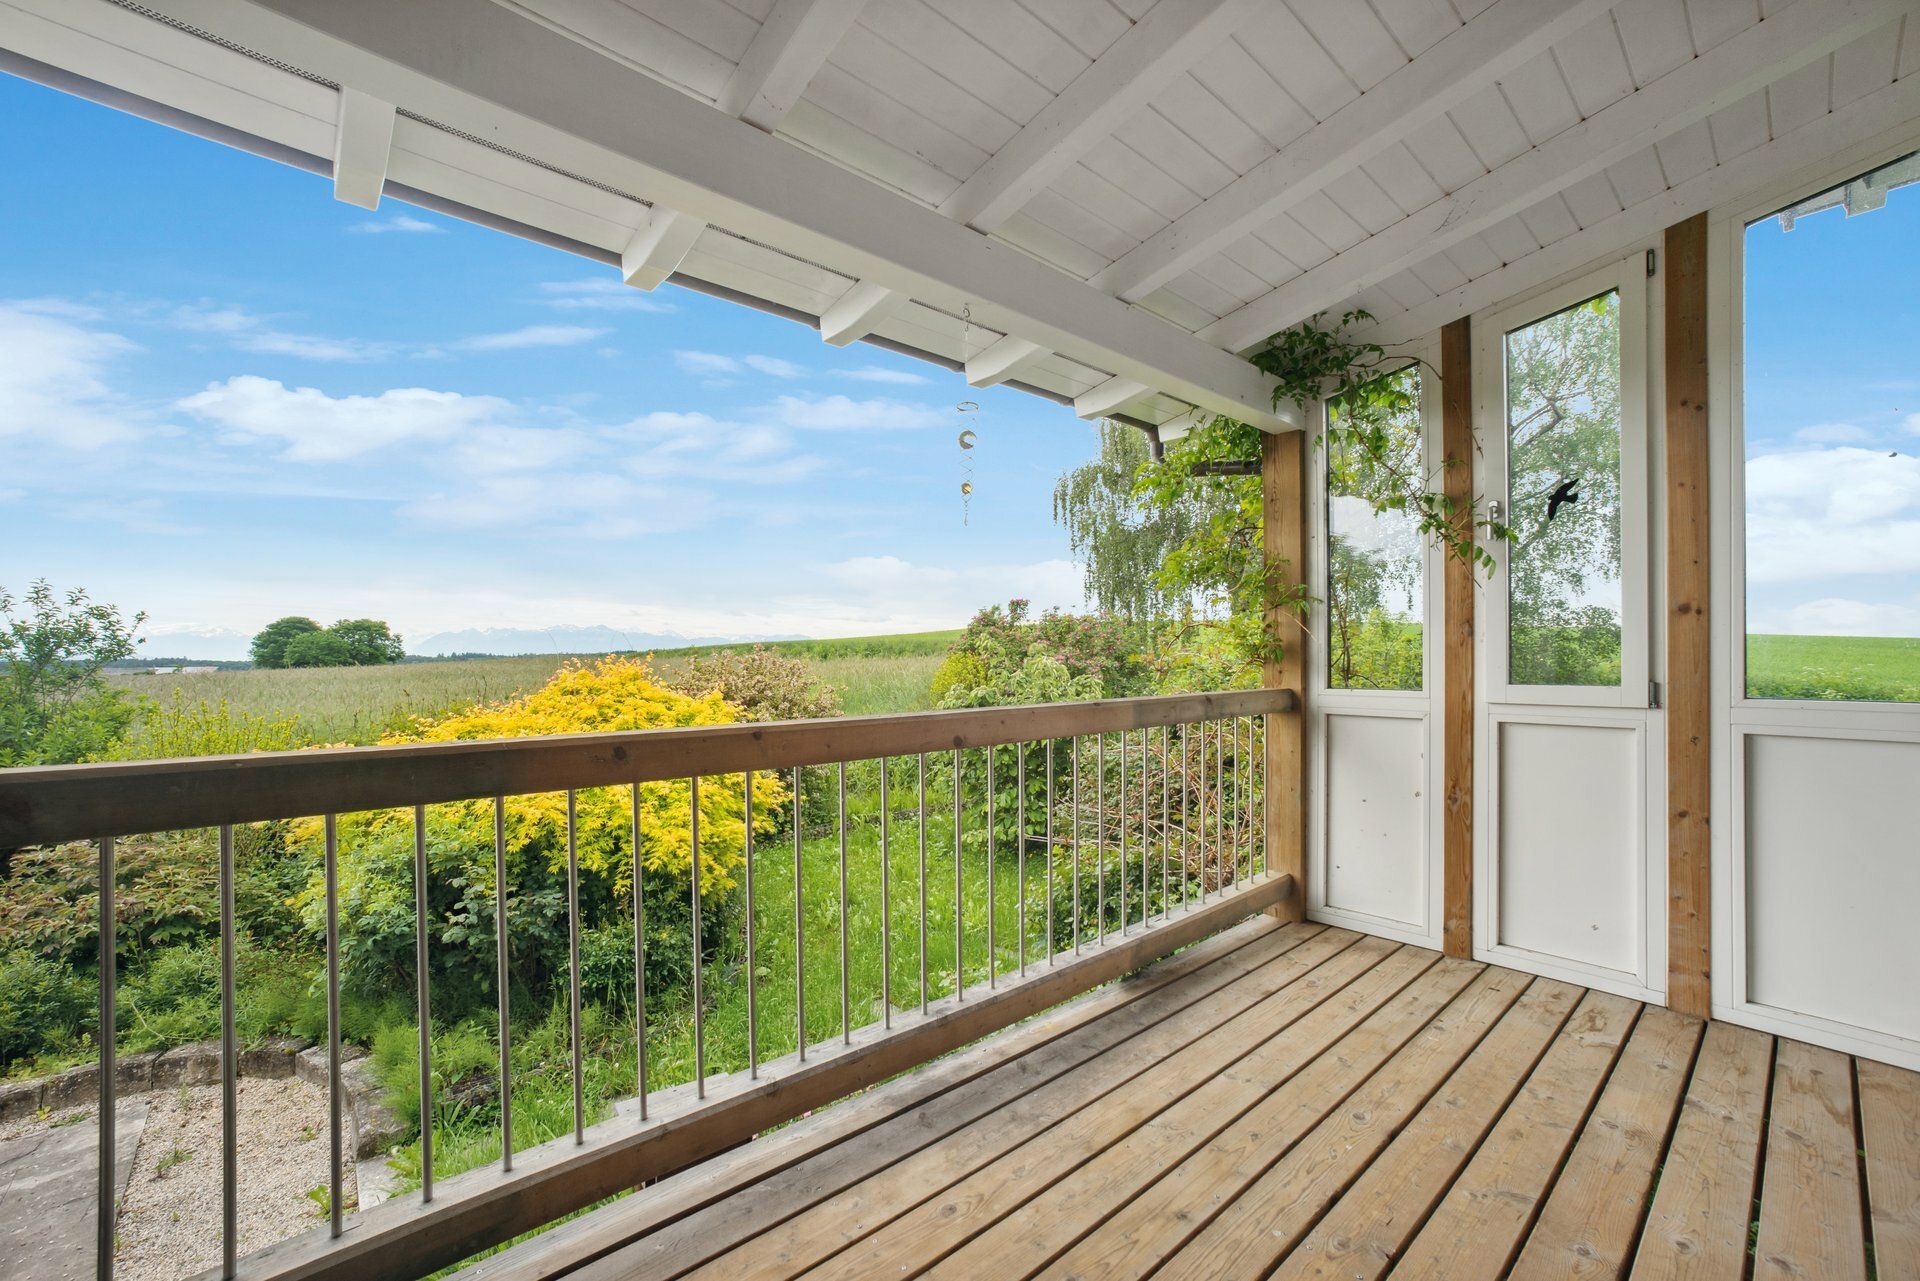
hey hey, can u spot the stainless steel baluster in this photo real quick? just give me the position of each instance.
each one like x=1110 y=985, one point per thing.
x=500 y=978
x=1166 y=820
x=1120 y=825
x=923 y=882
x=336 y=1147
x=639 y=959
x=846 y=1010
x=229 y=1069
x=799 y=930
x=1052 y=947
x=106 y=1208
x=1186 y=840
x=1219 y=802
x=1200 y=813
x=959 y=900
x=1146 y=829
x=1246 y=794
x=1020 y=844
x=753 y=1009
x=1260 y=791
x=699 y=950
x=886 y=903
x=1100 y=837
x=422 y=1000
x=573 y=966
x=993 y=902
x=1075 y=842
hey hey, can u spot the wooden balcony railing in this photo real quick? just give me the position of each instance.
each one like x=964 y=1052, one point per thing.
x=1094 y=803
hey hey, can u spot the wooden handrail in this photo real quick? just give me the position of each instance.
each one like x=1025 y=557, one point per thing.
x=42 y=805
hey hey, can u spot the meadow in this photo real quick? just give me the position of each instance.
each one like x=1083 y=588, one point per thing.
x=872 y=674
x=1842 y=668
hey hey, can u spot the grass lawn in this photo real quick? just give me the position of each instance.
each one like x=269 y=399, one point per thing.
x=357 y=704
x=1882 y=668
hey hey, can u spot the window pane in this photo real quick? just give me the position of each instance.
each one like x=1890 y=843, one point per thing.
x=1563 y=488
x=1832 y=423
x=1375 y=594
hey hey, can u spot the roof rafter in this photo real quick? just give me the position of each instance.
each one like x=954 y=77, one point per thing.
x=787 y=52
x=363 y=144
x=856 y=312
x=1741 y=65
x=528 y=88
x=1464 y=62
x=658 y=247
x=1171 y=37
x=1857 y=131
x=1007 y=358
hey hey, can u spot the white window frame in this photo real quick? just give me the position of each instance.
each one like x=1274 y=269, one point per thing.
x=1422 y=704
x=1736 y=716
x=1628 y=277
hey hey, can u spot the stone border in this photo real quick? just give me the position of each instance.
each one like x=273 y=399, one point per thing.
x=373 y=1126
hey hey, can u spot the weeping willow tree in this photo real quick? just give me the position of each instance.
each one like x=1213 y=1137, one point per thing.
x=1121 y=536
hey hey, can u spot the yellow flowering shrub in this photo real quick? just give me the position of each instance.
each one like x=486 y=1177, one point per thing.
x=612 y=695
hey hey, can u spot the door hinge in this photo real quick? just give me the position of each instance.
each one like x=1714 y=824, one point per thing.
x=1650 y=263
x=1653 y=693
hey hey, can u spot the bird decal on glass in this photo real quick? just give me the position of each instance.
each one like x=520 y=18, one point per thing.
x=1567 y=493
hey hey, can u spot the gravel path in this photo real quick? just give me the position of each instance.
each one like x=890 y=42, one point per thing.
x=170 y=1216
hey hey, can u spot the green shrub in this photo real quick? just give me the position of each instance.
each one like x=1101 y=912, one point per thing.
x=169 y=997
x=179 y=727
x=764 y=684
x=44 y=1006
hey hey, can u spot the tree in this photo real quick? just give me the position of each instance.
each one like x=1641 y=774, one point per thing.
x=369 y=641
x=1121 y=538
x=269 y=647
x=318 y=649
x=55 y=706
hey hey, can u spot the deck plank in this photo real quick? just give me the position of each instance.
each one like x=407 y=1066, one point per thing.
x=1811 y=1222
x=1265 y=1222
x=917 y=1238
x=1155 y=1020
x=1698 y=1227
x=1591 y=1221
x=1027 y=1240
x=1890 y=1128
x=1139 y=1233
x=1479 y=1224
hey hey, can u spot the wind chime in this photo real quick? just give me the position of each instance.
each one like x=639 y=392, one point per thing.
x=964 y=411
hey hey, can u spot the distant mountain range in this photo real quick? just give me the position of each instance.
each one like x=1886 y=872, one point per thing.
x=598 y=639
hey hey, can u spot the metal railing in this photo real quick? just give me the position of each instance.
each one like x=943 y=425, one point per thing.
x=1174 y=813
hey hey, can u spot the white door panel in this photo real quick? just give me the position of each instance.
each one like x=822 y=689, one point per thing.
x=1377 y=857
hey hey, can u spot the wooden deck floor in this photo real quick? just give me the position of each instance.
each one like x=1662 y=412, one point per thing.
x=1301 y=1101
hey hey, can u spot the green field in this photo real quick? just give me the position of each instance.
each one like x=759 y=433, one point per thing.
x=1842 y=668
x=358 y=704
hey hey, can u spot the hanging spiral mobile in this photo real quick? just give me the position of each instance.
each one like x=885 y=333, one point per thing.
x=964 y=410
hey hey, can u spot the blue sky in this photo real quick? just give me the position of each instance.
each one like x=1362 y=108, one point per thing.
x=1833 y=422
x=226 y=397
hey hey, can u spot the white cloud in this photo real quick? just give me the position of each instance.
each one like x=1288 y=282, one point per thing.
x=249 y=332
x=710 y=364
x=595 y=504
x=877 y=374
x=599 y=294
x=666 y=444
x=886 y=591
x=1833 y=434
x=1820 y=513
x=403 y=224
x=530 y=336
x=1913 y=423
x=315 y=427
x=1837 y=616
x=52 y=379
x=842 y=413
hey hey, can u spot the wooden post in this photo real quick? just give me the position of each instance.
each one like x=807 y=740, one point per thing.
x=1283 y=514
x=1456 y=443
x=1689 y=630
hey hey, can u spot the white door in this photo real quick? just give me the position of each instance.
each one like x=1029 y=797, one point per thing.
x=1570 y=861
x=1376 y=809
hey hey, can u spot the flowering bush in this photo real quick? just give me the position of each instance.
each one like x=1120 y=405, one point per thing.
x=764 y=684
x=1098 y=655
x=376 y=849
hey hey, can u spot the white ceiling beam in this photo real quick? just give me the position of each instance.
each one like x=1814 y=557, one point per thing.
x=1857 y=133
x=1171 y=37
x=1474 y=56
x=1110 y=397
x=855 y=313
x=787 y=52
x=1730 y=71
x=1006 y=359
x=530 y=89
x=363 y=143
x=658 y=247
